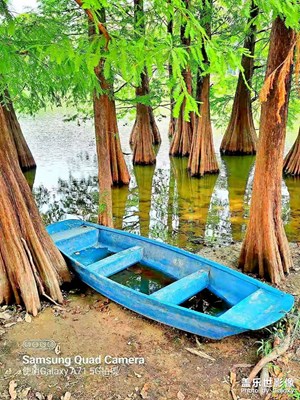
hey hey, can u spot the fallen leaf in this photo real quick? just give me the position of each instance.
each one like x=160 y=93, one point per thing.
x=180 y=396
x=200 y=353
x=28 y=318
x=137 y=375
x=9 y=324
x=12 y=390
x=50 y=397
x=19 y=319
x=25 y=392
x=232 y=378
x=67 y=396
x=39 y=396
x=5 y=316
x=144 y=391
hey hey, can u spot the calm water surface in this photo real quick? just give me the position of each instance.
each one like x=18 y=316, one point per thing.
x=162 y=201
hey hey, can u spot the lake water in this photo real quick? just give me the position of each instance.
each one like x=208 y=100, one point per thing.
x=162 y=201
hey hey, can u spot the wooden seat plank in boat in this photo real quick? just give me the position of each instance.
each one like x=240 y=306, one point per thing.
x=117 y=262
x=183 y=289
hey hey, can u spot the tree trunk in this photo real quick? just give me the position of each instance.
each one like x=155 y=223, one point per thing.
x=119 y=174
x=25 y=156
x=265 y=248
x=143 y=152
x=291 y=165
x=172 y=122
x=182 y=138
x=112 y=168
x=102 y=116
x=240 y=136
x=203 y=159
x=143 y=90
x=151 y=130
x=30 y=264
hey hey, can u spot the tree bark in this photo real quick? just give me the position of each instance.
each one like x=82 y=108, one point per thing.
x=30 y=265
x=291 y=165
x=182 y=138
x=109 y=125
x=172 y=122
x=25 y=156
x=150 y=131
x=202 y=159
x=265 y=248
x=102 y=115
x=240 y=136
x=112 y=169
x=143 y=152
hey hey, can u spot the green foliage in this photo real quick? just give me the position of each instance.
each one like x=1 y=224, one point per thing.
x=47 y=57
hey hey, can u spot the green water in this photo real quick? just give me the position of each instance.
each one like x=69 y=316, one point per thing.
x=142 y=279
x=162 y=201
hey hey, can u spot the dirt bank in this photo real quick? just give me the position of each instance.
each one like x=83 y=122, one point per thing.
x=90 y=326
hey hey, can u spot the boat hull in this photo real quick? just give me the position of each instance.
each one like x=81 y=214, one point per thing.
x=191 y=273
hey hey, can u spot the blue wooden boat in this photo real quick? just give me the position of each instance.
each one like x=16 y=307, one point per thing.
x=110 y=261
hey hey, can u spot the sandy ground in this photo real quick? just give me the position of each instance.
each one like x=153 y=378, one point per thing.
x=88 y=325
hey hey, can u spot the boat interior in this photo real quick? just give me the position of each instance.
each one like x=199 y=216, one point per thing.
x=183 y=280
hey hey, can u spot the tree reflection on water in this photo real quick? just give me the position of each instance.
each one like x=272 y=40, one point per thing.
x=168 y=205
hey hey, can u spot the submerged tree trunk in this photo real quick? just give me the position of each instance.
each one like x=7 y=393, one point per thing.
x=182 y=138
x=144 y=130
x=30 y=264
x=265 y=248
x=240 y=136
x=172 y=122
x=112 y=168
x=291 y=164
x=102 y=113
x=154 y=134
x=202 y=158
x=25 y=156
x=109 y=124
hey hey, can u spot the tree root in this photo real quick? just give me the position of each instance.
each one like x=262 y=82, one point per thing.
x=277 y=352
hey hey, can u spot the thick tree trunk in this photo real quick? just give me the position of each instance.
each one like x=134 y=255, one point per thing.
x=102 y=115
x=119 y=174
x=172 y=122
x=140 y=135
x=30 y=264
x=291 y=165
x=202 y=158
x=25 y=156
x=182 y=137
x=143 y=152
x=265 y=248
x=240 y=136
x=143 y=90
x=112 y=169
